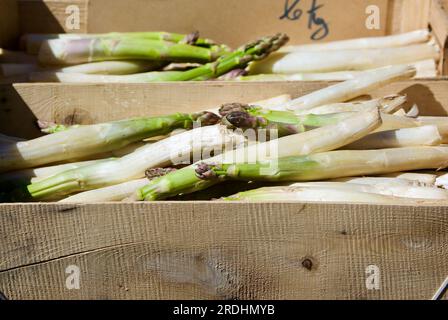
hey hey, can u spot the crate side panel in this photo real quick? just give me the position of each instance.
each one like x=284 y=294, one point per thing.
x=222 y=251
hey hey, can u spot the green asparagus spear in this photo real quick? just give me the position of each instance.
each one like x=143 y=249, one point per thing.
x=193 y=178
x=330 y=165
x=68 y=52
x=88 y=140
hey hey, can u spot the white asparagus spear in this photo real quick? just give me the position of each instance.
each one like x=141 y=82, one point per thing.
x=384 y=180
x=172 y=150
x=317 y=194
x=420 y=136
x=117 y=192
x=405 y=39
x=111 y=67
x=442 y=181
x=395 y=190
x=350 y=89
x=421 y=178
x=347 y=60
x=387 y=104
x=400 y=113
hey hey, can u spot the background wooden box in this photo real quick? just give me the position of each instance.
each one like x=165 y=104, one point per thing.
x=229 y=21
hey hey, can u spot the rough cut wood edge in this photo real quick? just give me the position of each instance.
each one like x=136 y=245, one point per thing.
x=222 y=251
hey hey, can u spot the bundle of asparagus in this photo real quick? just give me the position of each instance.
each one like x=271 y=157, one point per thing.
x=343 y=60
x=313 y=148
x=131 y=57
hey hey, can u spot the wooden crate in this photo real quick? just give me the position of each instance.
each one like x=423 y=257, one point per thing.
x=206 y=250
x=230 y=21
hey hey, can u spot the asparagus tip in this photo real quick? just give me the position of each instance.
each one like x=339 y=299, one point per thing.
x=191 y=38
x=204 y=171
x=228 y=108
x=242 y=120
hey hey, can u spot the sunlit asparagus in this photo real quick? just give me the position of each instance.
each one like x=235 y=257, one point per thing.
x=331 y=137
x=14 y=179
x=176 y=149
x=331 y=165
x=93 y=139
x=112 y=67
x=323 y=76
x=420 y=178
x=33 y=42
x=350 y=89
x=68 y=52
x=344 y=60
x=237 y=59
x=117 y=192
x=387 y=189
x=321 y=195
x=388 y=104
x=442 y=181
x=399 y=40
x=420 y=136
x=401 y=180
x=236 y=115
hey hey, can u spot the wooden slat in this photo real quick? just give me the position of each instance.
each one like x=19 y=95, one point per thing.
x=409 y=15
x=439 y=24
x=49 y=16
x=222 y=251
x=85 y=104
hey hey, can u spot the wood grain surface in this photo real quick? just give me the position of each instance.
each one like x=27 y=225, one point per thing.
x=222 y=251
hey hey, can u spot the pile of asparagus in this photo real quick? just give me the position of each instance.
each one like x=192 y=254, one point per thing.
x=129 y=57
x=159 y=56
x=343 y=60
x=313 y=148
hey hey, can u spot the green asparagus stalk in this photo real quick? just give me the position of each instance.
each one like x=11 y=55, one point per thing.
x=33 y=42
x=173 y=150
x=93 y=139
x=188 y=180
x=331 y=165
x=69 y=52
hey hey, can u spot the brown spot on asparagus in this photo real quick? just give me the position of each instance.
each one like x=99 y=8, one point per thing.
x=154 y=173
